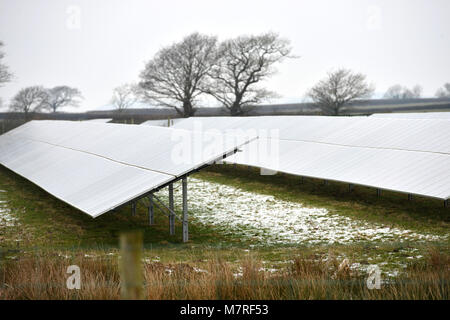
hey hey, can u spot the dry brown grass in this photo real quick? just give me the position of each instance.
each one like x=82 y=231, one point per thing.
x=43 y=276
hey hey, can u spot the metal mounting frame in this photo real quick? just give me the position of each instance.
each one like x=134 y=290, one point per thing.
x=170 y=211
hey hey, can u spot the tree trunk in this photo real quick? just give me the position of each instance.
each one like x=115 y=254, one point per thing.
x=336 y=109
x=188 y=110
x=235 y=109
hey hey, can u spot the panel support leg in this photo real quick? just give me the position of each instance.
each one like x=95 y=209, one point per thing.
x=151 y=210
x=133 y=208
x=185 y=211
x=378 y=192
x=410 y=197
x=171 y=207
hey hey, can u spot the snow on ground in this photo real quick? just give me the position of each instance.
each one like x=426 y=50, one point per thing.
x=263 y=219
x=6 y=219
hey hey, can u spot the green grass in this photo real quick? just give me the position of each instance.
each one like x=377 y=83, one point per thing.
x=421 y=214
x=47 y=223
x=52 y=234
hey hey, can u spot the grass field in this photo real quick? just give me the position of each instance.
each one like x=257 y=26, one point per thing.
x=289 y=239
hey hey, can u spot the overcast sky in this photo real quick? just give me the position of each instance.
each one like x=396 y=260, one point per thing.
x=98 y=45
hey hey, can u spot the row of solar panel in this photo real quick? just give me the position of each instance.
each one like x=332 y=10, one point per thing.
x=405 y=155
x=96 y=167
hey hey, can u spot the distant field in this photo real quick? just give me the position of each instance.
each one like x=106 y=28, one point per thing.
x=233 y=224
x=9 y=120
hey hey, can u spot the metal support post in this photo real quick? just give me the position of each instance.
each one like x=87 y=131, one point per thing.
x=171 y=214
x=185 y=211
x=151 y=210
x=133 y=208
x=378 y=192
x=410 y=197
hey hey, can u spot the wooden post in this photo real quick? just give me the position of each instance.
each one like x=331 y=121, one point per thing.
x=151 y=211
x=171 y=214
x=130 y=266
x=185 y=211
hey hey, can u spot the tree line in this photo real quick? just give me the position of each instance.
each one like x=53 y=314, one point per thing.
x=38 y=98
x=198 y=67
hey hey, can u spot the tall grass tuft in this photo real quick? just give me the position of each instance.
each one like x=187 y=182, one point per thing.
x=43 y=276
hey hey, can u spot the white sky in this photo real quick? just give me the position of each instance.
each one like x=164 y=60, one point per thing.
x=98 y=45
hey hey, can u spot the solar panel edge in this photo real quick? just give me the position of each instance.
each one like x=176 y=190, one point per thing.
x=341 y=181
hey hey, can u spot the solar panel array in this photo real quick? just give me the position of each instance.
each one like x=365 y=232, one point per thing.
x=405 y=155
x=96 y=167
x=100 y=120
x=161 y=123
x=419 y=115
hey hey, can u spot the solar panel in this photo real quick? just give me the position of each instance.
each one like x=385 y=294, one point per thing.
x=404 y=134
x=405 y=155
x=101 y=120
x=96 y=167
x=419 y=115
x=162 y=123
x=420 y=173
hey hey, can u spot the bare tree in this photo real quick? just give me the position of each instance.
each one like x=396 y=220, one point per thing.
x=124 y=96
x=417 y=91
x=339 y=88
x=175 y=76
x=394 y=92
x=399 y=92
x=29 y=99
x=62 y=96
x=444 y=92
x=242 y=64
x=5 y=75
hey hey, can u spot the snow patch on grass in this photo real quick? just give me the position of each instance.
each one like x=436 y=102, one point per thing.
x=263 y=219
x=6 y=218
